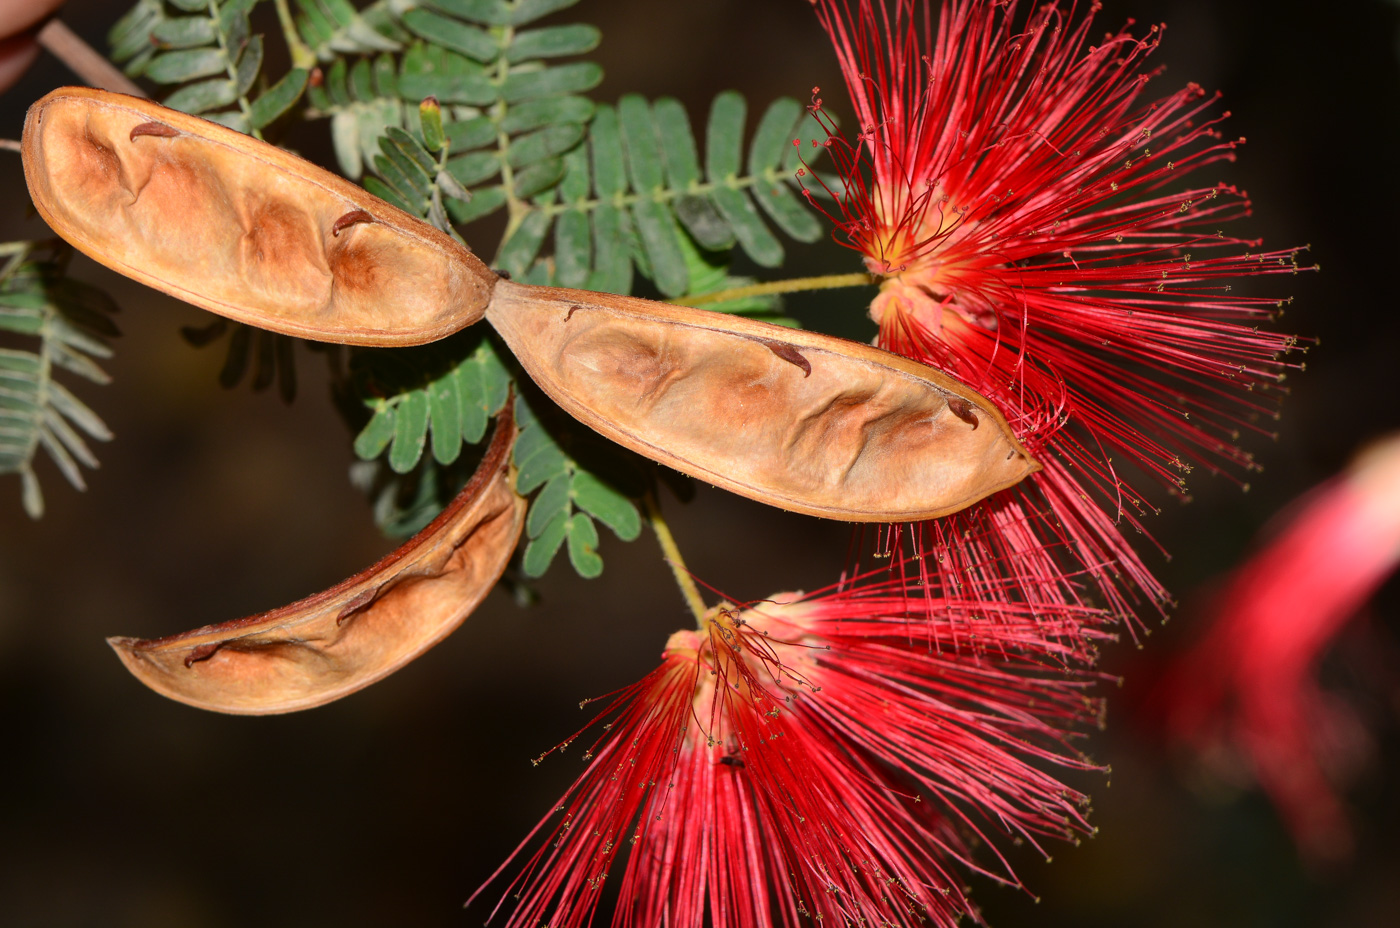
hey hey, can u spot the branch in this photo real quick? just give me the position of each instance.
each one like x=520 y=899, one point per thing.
x=83 y=61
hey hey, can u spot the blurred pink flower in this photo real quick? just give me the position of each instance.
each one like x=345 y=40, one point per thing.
x=1245 y=697
x=1038 y=232
x=829 y=757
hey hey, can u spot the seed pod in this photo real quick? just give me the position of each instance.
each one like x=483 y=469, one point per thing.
x=240 y=227
x=794 y=419
x=334 y=643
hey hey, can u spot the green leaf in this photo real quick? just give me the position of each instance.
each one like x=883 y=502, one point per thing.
x=382 y=190
x=410 y=431
x=401 y=173
x=520 y=249
x=202 y=97
x=545 y=112
x=488 y=12
x=739 y=211
x=539 y=553
x=249 y=64
x=483 y=203
x=724 y=136
x=572 y=241
x=702 y=220
x=677 y=143
x=583 y=546
x=377 y=433
x=233 y=21
x=337 y=86
x=444 y=409
x=440 y=30
x=412 y=149
x=571 y=248
x=430 y=71
x=774 y=135
x=470 y=133
x=546 y=143
x=539 y=177
x=135 y=24
x=386 y=82
x=184 y=32
x=607 y=505
x=233 y=119
x=656 y=227
x=278 y=98
x=640 y=143
x=362 y=80
x=611 y=261
x=553 y=42
x=527 y=11
x=473 y=168
x=541 y=462
x=483 y=384
x=547 y=505
x=551 y=82
x=605 y=142
x=787 y=210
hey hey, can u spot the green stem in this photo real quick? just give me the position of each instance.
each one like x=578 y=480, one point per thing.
x=516 y=208
x=229 y=67
x=672 y=554
x=791 y=285
x=302 y=55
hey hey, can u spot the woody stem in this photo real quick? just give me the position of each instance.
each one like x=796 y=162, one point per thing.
x=83 y=61
x=791 y=285
x=672 y=554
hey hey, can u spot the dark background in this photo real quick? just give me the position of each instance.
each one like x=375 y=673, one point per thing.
x=120 y=808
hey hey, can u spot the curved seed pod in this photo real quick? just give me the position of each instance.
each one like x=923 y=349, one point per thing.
x=334 y=643
x=242 y=228
x=803 y=421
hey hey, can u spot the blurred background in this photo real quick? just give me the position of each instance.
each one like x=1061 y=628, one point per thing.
x=123 y=809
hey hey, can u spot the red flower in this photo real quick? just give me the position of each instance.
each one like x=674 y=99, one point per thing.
x=1245 y=698
x=827 y=757
x=1029 y=215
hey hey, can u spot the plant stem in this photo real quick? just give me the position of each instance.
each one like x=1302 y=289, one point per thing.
x=791 y=285
x=672 y=553
x=9 y=145
x=302 y=55
x=80 y=58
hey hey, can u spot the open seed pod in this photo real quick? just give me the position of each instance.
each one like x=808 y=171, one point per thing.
x=795 y=419
x=334 y=643
x=240 y=227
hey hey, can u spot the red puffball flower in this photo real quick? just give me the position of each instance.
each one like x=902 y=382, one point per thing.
x=1246 y=698
x=831 y=758
x=1040 y=230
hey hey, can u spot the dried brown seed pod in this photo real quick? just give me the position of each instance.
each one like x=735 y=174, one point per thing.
x=334 y=643
x=803 y=421
x=242 y=228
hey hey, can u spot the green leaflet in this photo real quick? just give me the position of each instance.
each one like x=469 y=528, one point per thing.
x=70 y=323
x=652 y=208
x=211 y=63
x=450 y=389
x=571 y=495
